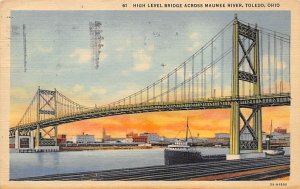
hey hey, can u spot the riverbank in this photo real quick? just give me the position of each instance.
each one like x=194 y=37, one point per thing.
x=82 y=148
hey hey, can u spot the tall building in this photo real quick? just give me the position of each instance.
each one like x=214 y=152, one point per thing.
x=105 y=137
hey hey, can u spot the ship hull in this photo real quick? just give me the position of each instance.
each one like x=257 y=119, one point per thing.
x=173 y=157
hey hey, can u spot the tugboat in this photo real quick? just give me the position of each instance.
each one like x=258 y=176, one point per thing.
x=275 y=152
x=181 y=153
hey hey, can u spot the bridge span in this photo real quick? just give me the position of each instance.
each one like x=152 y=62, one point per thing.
x=201 y=104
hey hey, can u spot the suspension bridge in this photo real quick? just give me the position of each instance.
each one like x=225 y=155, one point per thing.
x=244 y=66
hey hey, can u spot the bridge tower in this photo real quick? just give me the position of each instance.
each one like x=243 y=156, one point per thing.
x=46 y=108
x=249 y=56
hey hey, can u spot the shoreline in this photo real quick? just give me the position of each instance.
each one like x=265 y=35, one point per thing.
x=84 y=148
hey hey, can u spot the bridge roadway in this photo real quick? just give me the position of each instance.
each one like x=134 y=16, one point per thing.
x=208 y=103
x=272 y=167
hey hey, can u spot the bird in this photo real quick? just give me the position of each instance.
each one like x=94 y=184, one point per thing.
x=163 y=65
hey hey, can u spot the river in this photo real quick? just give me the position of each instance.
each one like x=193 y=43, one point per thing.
x=37 y=164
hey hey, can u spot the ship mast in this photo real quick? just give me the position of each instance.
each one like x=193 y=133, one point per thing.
x=270 y=136
x=187 y=129
x=271 y=128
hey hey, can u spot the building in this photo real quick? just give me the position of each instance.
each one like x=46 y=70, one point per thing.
x=61 y=139
x=280 y=136
x=83 y=139
x=12 y=142
x=222 y=136
x=140 y=139
x=152 y=137
x=126 y=140
x=131 y=135
x=280 y=130
x=105 y=137
x=264 y=136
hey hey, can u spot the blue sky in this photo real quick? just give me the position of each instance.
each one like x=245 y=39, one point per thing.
x=136 y=43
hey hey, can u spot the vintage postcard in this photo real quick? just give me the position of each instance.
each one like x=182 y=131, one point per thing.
x=149 y=94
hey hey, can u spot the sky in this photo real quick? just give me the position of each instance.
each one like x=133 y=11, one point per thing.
x=136 y=43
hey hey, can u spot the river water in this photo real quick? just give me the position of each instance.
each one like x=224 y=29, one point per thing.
x=37 y=164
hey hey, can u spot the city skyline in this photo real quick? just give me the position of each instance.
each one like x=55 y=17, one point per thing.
x=271 y=129
x=119 y=126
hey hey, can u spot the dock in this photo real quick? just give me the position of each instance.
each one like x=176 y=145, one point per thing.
x=233 y=170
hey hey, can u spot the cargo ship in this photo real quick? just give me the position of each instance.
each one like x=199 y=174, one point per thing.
x=182 y=153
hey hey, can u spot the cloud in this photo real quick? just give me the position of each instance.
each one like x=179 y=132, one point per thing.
x=141 y=60
x=89 y=92
x=103 y=56
x=78 y=88
x=83 y=55
x=119 y=49
x=194 y=37
x=128 y=90
x=123 y=45
x=85 y=95
x=19 y=92
x=98 y=91
x=45 y=49
x=150 y=47
x=265 y=60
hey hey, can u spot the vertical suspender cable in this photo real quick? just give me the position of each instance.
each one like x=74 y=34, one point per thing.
x=147 y=94
x=161 y=90
x=175 y=88
x=249 y=70
x=189 y=92
x=168 y=88
x=281 y=66
x=275 y=63
x=243 y=82
x=184 y=78
x=193 y=59
x=289 y=61
x=204 y=88
x=212 y=70
x=197 y=89
x=262 y=61
x=154 y=97
x=269 y=63
x=222 y=65
x=202 y=76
